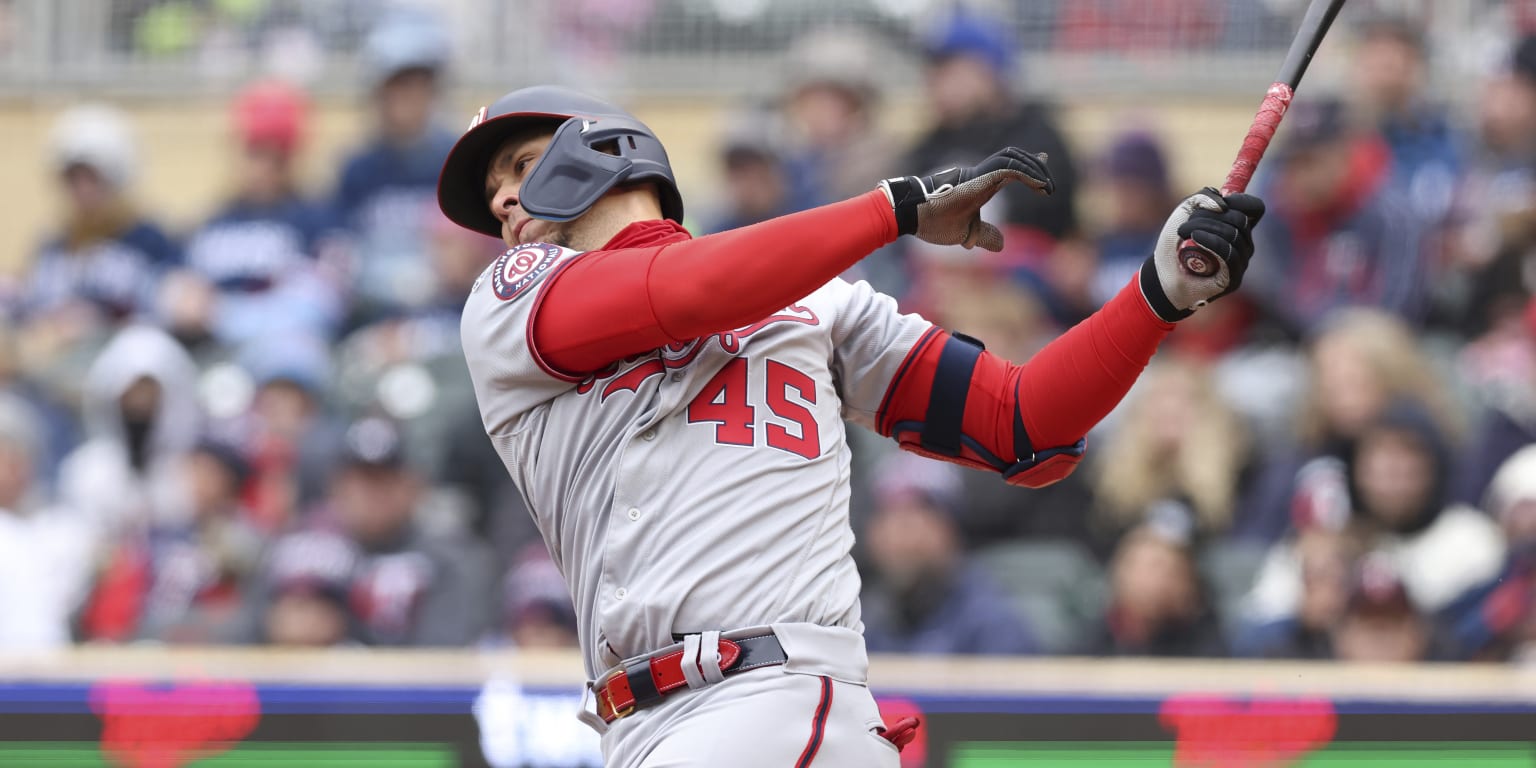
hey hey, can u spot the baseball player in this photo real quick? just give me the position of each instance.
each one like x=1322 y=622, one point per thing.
x=672 y=410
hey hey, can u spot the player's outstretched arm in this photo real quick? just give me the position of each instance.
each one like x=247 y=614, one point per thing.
x=959 y=403
x=611 y=304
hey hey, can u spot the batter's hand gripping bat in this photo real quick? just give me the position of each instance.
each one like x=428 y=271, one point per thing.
x=1313 y=26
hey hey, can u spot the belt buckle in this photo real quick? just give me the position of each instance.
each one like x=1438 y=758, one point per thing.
x=604 y=692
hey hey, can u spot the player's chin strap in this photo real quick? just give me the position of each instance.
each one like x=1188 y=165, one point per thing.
x=940 y=435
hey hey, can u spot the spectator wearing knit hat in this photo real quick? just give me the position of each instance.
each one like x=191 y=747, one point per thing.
x=971 y=98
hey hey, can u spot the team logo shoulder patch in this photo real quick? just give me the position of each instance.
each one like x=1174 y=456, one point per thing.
x=520 y=267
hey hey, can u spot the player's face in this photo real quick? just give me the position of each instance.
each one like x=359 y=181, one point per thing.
x=503 y=184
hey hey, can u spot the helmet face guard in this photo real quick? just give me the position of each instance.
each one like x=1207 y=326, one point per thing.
x=575 y=171
x=595 y=148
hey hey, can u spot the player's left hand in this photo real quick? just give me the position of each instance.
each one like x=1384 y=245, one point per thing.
x=945 y=208
x=1222 y=226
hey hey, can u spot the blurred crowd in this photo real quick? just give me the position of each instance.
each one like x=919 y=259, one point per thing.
x=261 y=430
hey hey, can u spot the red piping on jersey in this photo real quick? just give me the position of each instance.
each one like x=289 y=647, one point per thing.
x=652 y=285
x=1067 y=387
x=818 y=725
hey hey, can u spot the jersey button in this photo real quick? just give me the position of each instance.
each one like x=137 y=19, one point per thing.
x=634 y=514
x=649 y=434
x=677 y=375
x=621 y=593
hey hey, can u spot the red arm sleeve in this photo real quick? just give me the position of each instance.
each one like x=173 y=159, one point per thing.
x=1057 y=396
x=607 y=305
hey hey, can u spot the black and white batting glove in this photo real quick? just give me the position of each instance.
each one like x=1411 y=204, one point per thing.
x=945 y=208
x=1222 y=226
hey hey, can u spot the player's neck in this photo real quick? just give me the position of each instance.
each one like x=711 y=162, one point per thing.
x=615 y=211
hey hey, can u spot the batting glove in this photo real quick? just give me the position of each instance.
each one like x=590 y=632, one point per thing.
x=1223 y=226
x=945 y=208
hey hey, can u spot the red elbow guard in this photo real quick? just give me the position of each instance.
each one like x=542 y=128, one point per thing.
x=958 y=403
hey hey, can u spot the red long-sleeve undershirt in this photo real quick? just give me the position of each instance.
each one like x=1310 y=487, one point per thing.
x=652 y=285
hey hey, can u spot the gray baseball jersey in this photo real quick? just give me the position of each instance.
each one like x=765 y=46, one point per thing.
x=700 y=486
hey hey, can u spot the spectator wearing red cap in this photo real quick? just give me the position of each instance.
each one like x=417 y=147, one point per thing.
x=265 y=252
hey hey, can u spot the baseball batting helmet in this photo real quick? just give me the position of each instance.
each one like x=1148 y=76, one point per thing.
x=573 y=172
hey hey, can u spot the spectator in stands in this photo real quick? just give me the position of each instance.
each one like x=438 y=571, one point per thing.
x=141 y=418
x=1138 y=189
x=304 y=596
x=262 y=252
x=1342 y=234
x=1495 y=214
x=290 y=437
x=1400 y=472
x=920 y=594
x=387 y=183
x=832 y=102
x=1500 y=368
x=411 y=364
x=98 y=270
x=46 y=553
x=1391 y=71
x=1158 y=605
x=1327 y=556
x=536 y=606
x=1498 y=620
x=411 y=586
x=56 y=424
x=755 y=184
x=200 y=571
x=1397 y=473
x=1177 y=440
x=1360 y=361
x=1381 y=623
x=970 y=82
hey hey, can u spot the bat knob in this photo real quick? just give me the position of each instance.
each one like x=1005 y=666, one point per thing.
x=1197 y=260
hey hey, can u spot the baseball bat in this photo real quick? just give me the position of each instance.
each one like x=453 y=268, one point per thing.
x=1314 y=25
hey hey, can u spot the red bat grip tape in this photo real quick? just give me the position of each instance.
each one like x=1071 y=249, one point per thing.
x=1276 y=102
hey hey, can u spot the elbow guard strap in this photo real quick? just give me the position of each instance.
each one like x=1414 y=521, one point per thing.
x=941 y=433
